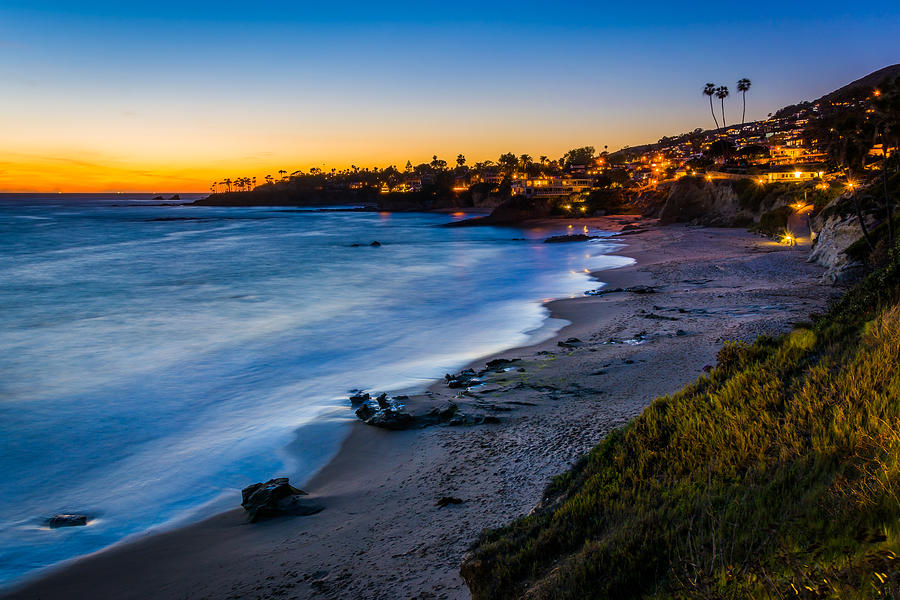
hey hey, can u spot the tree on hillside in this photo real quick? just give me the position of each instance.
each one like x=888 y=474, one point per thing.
x=508 y=163
x=526 y=161
x=578 y=156
x=437 y=164
x=460 y=160
x=710 y=91
x=886 y=105
x=720 y=149
x=743 y=85
x=721 y=94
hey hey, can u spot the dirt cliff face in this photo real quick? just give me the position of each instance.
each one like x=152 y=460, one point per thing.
x=694 y=200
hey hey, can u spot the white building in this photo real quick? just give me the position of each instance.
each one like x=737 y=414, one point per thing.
x=550 y=187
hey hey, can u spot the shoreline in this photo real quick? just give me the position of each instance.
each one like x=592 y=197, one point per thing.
x=381 y=535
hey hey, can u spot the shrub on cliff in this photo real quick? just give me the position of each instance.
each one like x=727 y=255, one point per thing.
x=775 y=476
x=774 y=221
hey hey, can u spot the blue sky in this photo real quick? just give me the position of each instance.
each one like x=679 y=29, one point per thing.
x=185 y=90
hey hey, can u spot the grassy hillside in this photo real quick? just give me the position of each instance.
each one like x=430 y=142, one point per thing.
x=775 y=476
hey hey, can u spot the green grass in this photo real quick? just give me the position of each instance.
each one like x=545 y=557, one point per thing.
x=777 y=476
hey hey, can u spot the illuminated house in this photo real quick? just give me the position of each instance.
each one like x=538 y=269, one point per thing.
x=795 y=176
x=550 y=187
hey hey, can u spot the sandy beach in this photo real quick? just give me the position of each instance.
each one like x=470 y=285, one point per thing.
x=381 y=534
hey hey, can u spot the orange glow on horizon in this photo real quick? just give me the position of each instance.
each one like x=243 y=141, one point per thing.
x=99 y=156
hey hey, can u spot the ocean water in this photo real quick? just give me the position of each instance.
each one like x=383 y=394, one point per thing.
x=156 y=359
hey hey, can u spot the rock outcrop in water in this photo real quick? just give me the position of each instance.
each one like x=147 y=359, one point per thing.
x=67 y=520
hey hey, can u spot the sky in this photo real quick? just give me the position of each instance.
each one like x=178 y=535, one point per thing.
x=170 y=96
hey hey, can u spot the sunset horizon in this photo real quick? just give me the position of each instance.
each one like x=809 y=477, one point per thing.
x=116 y=99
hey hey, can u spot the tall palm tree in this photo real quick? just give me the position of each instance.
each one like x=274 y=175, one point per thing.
x=721 y=94
x=526 y=162
x=743 y=85
x=710 y=91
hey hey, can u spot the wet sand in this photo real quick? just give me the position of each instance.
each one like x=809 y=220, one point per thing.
x=381 y=535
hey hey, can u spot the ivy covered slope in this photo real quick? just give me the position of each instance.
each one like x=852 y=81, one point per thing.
x=775 y=476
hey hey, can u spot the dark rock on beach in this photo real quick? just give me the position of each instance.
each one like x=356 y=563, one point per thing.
x=635 y=289
x=392 y=418
x=467 y=419
x=578 y=237
x=359 y=398
x=447 y=500
x=603 y=291
x=67 y=521
x=572 y=342
x=463 y=379
x=393 y=414
x=500 y=363
x=642 y=289
x=273 y=498
x=366 y=411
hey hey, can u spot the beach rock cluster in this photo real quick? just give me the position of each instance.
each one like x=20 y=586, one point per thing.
x=404 y=412
x=394 y=414
x=635 y=289
x=470 y=377
x=274 y=498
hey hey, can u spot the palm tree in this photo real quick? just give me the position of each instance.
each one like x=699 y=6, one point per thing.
x=743 y=85
x=460 y=160
x=282 y=172
x=526 y=162
x=721 y=94
x=710 y=91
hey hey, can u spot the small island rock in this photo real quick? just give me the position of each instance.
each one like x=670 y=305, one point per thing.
x=67 y=521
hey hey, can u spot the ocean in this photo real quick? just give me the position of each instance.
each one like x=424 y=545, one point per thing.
x=156 y=359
